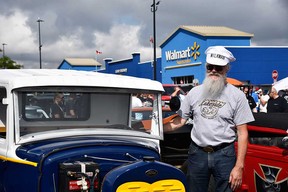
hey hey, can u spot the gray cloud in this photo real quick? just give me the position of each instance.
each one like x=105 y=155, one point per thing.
x=74 y=28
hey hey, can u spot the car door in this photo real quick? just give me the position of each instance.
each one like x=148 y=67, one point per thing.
x=266 y=166
x=3 y=135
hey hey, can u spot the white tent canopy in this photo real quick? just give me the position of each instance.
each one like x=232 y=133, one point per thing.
x=281 y=84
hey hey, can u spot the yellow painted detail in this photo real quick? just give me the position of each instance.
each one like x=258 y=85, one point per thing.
x=18 y=161
x=2 y=129
x=168 y=185
x=135 y=186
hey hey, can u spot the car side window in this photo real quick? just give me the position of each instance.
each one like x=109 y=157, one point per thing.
x=3 y=108
x=266 y=139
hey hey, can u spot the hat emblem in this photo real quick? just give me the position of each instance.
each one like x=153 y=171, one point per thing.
x=217 y=56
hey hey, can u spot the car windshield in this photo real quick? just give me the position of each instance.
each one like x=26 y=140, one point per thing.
x=63 y=109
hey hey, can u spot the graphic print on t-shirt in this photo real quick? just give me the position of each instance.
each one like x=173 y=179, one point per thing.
x=209 y=108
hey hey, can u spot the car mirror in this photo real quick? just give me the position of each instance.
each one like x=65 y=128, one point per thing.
x=175 y=104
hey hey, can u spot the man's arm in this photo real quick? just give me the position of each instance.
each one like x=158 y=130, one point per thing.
x=176 y=92
x=174 y=124
x=236 y=173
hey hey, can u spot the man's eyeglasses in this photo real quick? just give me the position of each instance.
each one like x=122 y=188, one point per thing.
x=216 y=67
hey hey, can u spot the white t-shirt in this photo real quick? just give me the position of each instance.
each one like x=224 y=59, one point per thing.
x=215 y=120
x=263 y=108
x=136 y=102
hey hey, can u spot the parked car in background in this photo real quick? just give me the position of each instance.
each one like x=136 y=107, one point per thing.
x=35 y=112
x=102 y=148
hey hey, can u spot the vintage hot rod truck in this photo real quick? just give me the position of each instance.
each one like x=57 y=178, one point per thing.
x=100 y=146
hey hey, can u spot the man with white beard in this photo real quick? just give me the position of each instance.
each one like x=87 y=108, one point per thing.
x=220 y=112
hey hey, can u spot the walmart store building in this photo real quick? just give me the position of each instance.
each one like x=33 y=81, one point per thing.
x=183 y=58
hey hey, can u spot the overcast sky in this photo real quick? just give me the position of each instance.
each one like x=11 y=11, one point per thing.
x=117 y=28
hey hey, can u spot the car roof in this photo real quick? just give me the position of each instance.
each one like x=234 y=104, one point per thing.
x=17 y=78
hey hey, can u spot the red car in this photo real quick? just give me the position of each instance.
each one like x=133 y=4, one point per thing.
x=266 y=165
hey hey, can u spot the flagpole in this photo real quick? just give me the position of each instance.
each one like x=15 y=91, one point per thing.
x=151 y=45
x=96 y=63
x=97 y=52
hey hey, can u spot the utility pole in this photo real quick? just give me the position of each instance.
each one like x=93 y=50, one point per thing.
x=40 y=44
x=154 y=9
x=3 y=49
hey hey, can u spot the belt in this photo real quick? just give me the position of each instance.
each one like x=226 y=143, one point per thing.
x=211 y=149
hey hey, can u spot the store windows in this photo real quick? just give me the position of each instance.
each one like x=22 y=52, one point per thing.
x=183 y=79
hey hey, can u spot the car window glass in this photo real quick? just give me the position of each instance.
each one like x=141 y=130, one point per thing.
x=59 y=109
x=3 y=108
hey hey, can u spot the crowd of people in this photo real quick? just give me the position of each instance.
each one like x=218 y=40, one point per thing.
x=274 y=101
x=142 y=100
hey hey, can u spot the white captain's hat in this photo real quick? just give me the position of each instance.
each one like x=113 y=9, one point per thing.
x=218 y=55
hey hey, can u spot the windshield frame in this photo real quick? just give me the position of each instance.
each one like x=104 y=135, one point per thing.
x=156 y=129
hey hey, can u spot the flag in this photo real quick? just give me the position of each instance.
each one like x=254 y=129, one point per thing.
x=98 y=52
x=151 y=40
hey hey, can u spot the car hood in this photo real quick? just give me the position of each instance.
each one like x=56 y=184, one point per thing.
x=83 y=146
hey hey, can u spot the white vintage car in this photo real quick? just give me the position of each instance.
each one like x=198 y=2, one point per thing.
x=65 y=130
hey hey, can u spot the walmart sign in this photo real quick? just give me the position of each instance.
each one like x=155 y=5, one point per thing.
x=191 y=51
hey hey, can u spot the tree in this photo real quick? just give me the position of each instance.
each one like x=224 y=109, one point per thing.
x=7 y=63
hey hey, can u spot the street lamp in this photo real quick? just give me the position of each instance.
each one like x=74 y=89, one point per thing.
x=40 y=44
x=4 y=49
x=154 y=7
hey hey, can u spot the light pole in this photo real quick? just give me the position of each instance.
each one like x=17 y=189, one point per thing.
x=40 y=44
x=154 y=7
x=4 y=49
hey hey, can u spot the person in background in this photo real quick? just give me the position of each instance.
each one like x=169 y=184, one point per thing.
x=220 y=112
x=250 y=100
x=263 y=98
x=146 y=100
x=178 y=93
x=71 y=106
x=136 y=101
x=276 y=104
x=57 y=109
x=254 y=95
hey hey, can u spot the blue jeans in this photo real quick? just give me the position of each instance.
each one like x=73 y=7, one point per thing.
x=202 y=164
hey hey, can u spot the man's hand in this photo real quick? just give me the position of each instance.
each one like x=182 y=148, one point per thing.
x=235 y=178
x=175 y=122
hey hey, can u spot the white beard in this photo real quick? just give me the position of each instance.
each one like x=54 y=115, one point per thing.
x=213 y=88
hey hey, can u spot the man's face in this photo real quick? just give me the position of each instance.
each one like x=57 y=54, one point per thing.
x=215 y=80
x=59 y=98
x=215 y=72
x=272 y=92
x=245 y=90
